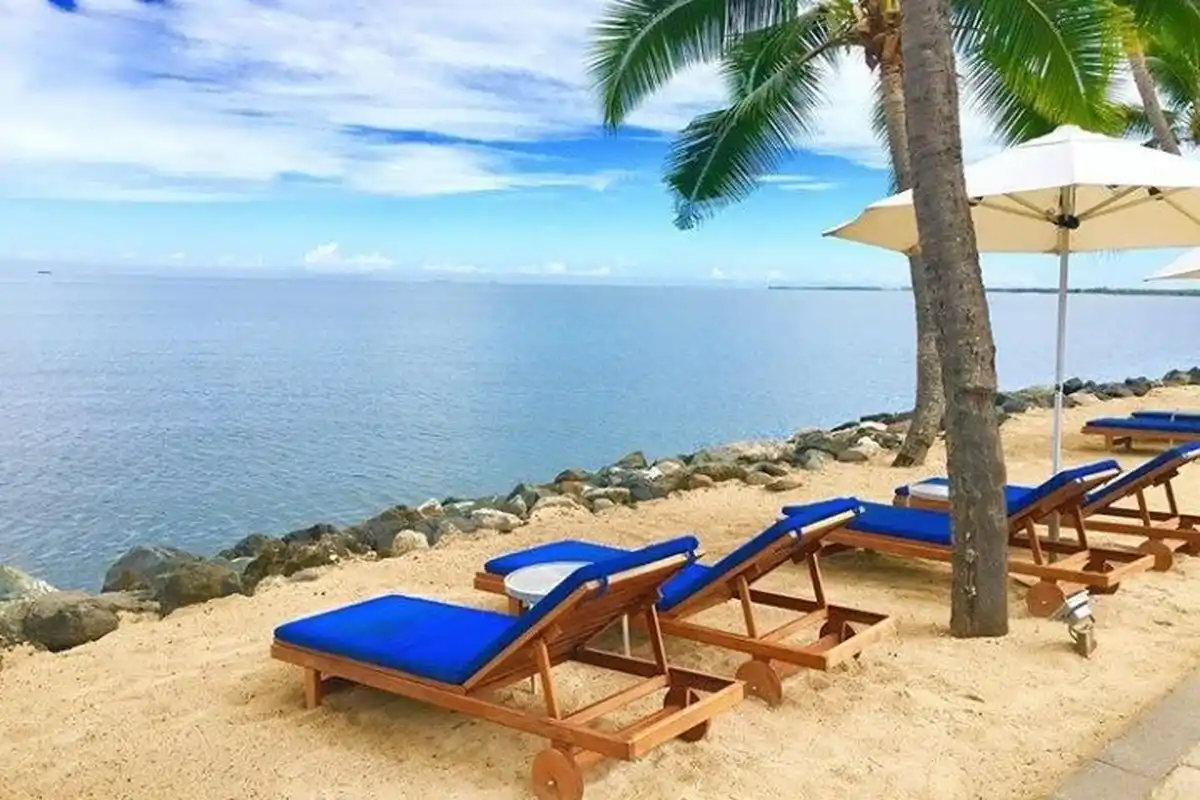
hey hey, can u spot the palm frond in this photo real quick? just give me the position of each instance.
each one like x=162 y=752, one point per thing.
x=1175 y=65
x=1179 y=17
x=774 y=79
x=879 y=127
x=1036 y=64
x=639 y=45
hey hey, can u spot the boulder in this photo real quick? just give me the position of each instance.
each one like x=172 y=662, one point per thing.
x=516 y=506
x=634 y=460
x=750 y=452
x=1139 y=386
x=528 y=495
x=378 y=532
x=617 y=495
x=62 y=620
x=311 y=534
x=821 y=440
x=573 y=475
x=248 y=547
x=812 y=460
x=141 y=565
x=602 y=504
x=1194 y=374
x=1013 y=403
x=557 y=501
x=15 y=584
x=889 y=419
x=785 y=484
x=447 y=530
x=194 y=583
x=430 y=508
x=720 y=471
x=1072 y=385
x=699 y=480
x=665 y=467
x=863 y=450
x=494 y=520
x=573 y=488
x=757 y=478
x=407 y=541
x=771 y=468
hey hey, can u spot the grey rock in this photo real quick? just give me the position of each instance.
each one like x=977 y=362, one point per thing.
x=408 y=541
x=573 y=475
x=62 y=620
x=557 y=501
x=749 y=452
x=248 y=547
x=1013 y=403
x=141 y=565
x=311 y=534
x=854 y=455
x=700 y=481
x=720 y=471
x=617 y=495
x=634 y=460
x=15 y=584
x=1072 y=385
x=378 y=532
x=516 y=505
x=813 y=460
x=447 y=530
x=758 y=478
x=785 y=484
x=602 y=504
x=494 y=520
x=771 y=468
x=821 y=440
x=430 y=508
x=665 y=467
x=194 y=583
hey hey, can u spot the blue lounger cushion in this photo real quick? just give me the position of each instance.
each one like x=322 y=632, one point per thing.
x=691 y=578
x=1151 y=424
x=1020 y=498
x=911 y=524
x=1179 y=414
x=444 y=642
x=1114 y=490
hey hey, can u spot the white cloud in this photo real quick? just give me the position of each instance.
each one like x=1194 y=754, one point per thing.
x=219 y=99
x=718 y=274
x=560 y=270
x=797 y=183
x=454 y=269
x=328 y=257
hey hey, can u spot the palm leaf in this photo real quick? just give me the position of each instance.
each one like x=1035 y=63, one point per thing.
x=774 y=79
x=639 y=45
x=1036 y=64
x=879 y=127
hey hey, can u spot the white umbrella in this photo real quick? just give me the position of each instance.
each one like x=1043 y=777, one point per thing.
x=1184 y=268
x=1068 y=191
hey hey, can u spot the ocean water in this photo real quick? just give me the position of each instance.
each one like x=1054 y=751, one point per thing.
x=193 y=412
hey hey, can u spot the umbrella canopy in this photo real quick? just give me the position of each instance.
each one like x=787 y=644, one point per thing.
x=1184 y=268
x=1068 y=191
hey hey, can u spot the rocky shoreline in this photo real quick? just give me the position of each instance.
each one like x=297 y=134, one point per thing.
x=158 y=579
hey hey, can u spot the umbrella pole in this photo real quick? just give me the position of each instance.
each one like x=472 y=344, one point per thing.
x=1065 y=224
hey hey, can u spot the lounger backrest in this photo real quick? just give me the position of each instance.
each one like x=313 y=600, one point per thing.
x=1165 y=464
x=1148 y=424
x=571 y=615
x=1179 y=415
x=1064 y=489
x=691 y=584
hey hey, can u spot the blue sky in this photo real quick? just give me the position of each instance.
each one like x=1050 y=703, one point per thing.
x=424 y=138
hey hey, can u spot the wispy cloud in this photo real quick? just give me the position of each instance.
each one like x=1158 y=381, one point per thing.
x=328 y=257
x=217 y=99
x=798 y=183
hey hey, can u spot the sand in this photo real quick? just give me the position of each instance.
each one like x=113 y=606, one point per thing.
x=193 y=706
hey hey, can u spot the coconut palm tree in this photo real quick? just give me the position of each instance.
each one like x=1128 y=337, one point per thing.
x=1174 y=64
x=1162 y=25
x=979 y=599
x=1032 y=63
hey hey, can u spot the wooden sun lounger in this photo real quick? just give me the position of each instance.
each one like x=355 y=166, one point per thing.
x=1102 y=510
x=554 y=635
x=1101 y=570
x=833 y=634
x=1125 y=432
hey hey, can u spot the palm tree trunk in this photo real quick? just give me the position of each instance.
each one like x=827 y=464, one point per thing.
x=1149 y=94
x=979 y=603
x=930 y=402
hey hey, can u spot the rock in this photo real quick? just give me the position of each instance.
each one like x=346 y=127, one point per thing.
x=249 y=547
x=1012 y=403
x=602 y=504
x=785 y=484
x=139 y=567
x=720 y=471
x=772 y=469
x=312 y=533
x=494 y=520
x=1072 y=385
x=194 y=583
x=15 y=584
x=573 y=475
x=868 y=425
x=281 y=558
x=642 y=489
x=573 y=488
x=408 y=541
x=1083 y=399
x=448 y=530
x=557 y=501
x=314 y=554
x=62 y=620
x=12 y=619
x=430 y=508
x=529 y=496
x=516 y=506
x=863 y=450
x=378 y=532
x=699 y=480
x=820 y=440
x=665 y=467
x=1176 y=377
x=634 y=460
x=758 y=479
x=747 y=452
x=1139 y=386
x=887 y=419
x=617 y=495
x=812 y=460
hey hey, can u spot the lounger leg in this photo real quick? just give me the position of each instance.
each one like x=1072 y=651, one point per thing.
x=314 y=689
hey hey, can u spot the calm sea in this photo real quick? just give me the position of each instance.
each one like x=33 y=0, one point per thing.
x=194 y=412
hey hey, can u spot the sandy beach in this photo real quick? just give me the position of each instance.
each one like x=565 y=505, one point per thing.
x=193 y=705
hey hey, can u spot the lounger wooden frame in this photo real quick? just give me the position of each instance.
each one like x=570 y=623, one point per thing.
x=1176 y=531
x=1126 y=437
x=1099 y=569
x=837 y=633
x=691 y=700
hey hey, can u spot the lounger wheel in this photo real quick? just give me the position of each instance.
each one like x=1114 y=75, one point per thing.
x=556 y=776
x=1164 y=556
x=1044 y=598
x=681 y=697
x=762 y=681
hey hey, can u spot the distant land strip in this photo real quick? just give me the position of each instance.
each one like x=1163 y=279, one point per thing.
x=1002 y=290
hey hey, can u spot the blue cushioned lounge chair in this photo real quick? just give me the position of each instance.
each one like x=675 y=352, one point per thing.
x=922 y=533
x=836 y=633
x=1102 y=507
x=453 y=656
x=1178 y=414
x=1144 y=428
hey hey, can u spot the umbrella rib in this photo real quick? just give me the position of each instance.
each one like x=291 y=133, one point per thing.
x=1192 y=217
x=1096 y=210
x=1149 y=198
x=1033 y=213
